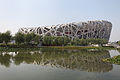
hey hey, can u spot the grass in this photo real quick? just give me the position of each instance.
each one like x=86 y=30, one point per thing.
x=7 y=49
x=78 y=47
x=14 y=47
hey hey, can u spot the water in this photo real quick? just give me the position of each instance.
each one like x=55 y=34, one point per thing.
x=49 y=64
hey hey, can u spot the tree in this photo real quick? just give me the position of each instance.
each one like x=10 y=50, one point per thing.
x=118 y=42
x=1 y=38
x=37 y=39
x=58 y=41
x=97 y=41
x=80 y=42
x=75 y=41
x=6 y=37
x=66 y=40
x=31 y=37
x=55 y=41
x=83 y=42
x=28 y=38
x=47 y=40
x=19 y=38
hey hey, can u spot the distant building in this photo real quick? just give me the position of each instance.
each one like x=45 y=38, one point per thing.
x=90 y=29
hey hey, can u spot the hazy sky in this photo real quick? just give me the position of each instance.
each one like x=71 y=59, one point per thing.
x=33 y=13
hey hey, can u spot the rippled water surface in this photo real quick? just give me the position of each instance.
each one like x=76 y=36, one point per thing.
x=50 y=64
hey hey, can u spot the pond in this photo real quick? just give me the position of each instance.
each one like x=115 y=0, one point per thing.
x=54 y=64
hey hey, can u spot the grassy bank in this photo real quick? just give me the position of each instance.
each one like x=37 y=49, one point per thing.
x=77 y=47
x=30 y=48
x=7 y=49
x=114 y=60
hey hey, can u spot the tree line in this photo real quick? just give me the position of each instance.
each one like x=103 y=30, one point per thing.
x=118 y=42
x=32 y=38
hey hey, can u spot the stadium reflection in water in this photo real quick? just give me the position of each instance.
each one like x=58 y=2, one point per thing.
x=80 y=61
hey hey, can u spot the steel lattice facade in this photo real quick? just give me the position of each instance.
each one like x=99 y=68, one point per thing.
x=85 y=30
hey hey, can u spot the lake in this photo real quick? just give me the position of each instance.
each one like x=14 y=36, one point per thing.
x=55 y=64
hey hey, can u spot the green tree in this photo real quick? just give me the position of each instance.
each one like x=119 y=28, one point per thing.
x=28 y=38
x=83 y=42
x=75 y=41
x=80 y=42
x=37 y=39
x=47 y=41
x=1 y=38
x=6 y=37
x=58 y=41
x=55 y=41
x=66 y=40
x=97 y=41
x=19 y=38
x=118 y=42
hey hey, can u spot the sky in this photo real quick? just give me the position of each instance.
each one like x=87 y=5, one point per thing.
x=15 y=14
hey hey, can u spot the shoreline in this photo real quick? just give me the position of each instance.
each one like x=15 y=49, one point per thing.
x=54 y=47
x=113 y=60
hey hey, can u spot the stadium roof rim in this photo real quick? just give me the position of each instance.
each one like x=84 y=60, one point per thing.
x=78 y=23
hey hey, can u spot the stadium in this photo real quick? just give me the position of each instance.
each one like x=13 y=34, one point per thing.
x=82 y=30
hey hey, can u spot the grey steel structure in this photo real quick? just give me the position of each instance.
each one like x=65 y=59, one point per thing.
x=85 y=30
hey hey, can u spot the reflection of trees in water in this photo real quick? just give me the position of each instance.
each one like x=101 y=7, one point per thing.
x=118 y=50
x=5 y=59
x=90 y=61
x=82 y=60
